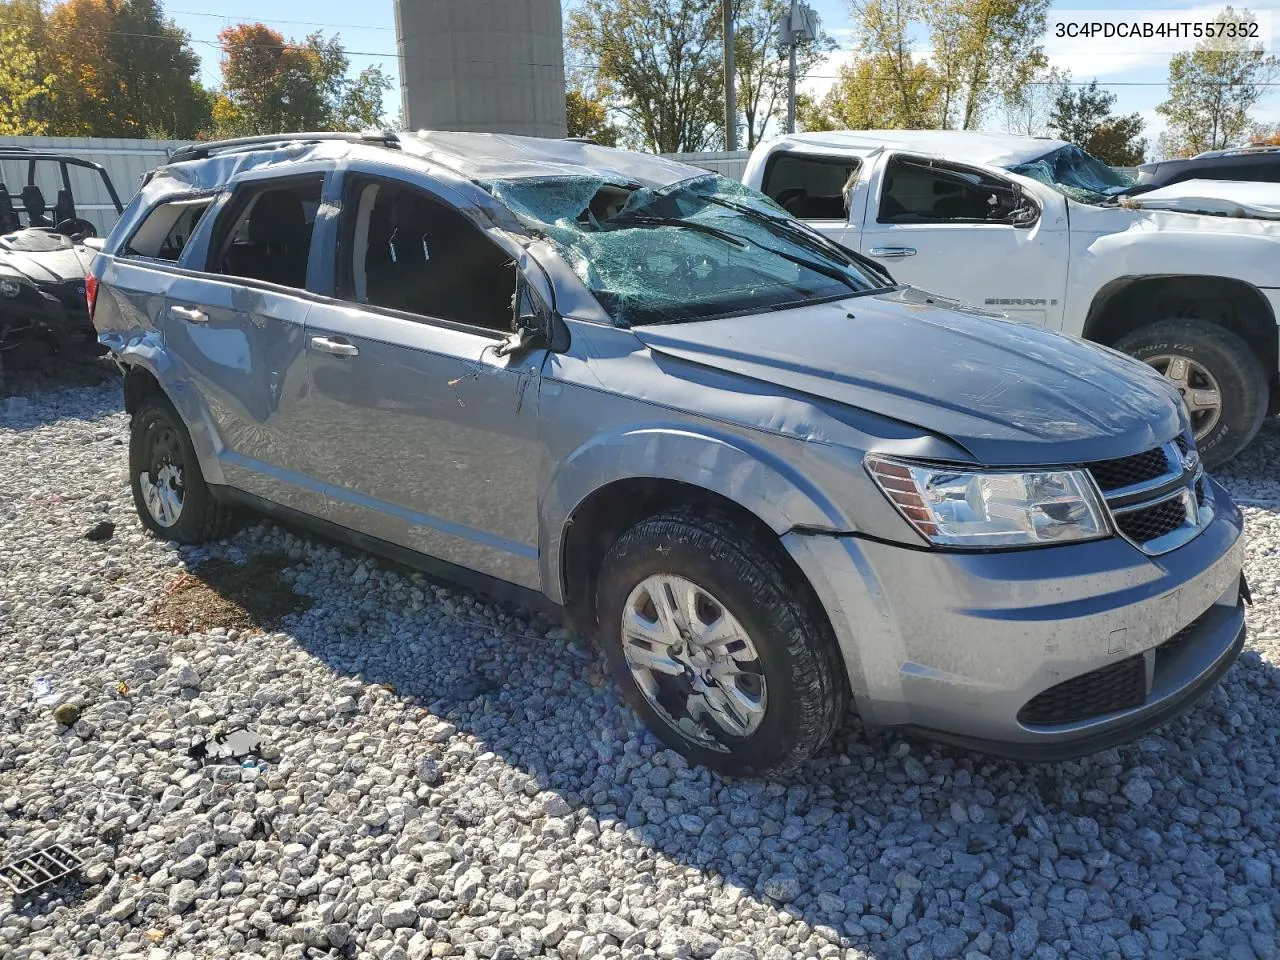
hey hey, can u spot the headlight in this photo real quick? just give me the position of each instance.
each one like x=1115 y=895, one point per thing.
x=955 y=507
x=9 y=288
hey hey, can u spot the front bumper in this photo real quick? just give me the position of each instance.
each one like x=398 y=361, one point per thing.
x=957 y=645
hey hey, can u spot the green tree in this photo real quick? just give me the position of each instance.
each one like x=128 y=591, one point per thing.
x=1212 y=88
x=762 y=64
x=26 y=83
x=121 y=70
x=886 y=45
x=154 y=85
x=658 y=66
x=869 y=96
x=360 y=102
x=588 y=117
x=983 y=49
x=270 y=85
x=1084 y=117
x=1027 y=110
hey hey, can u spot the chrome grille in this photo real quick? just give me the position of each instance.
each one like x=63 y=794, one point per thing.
x=1158 y=498
x=1148 y=523
x=1127 y=471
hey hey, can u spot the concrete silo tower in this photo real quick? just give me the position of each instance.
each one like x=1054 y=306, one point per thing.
x=486 y=65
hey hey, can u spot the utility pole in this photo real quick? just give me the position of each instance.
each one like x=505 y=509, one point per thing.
x=798 y=25
x=791 y=72
x=730 y=81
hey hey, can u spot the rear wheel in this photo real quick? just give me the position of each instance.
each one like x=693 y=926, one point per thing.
x=725 y=657
x=169 y=491
x=1221 y=381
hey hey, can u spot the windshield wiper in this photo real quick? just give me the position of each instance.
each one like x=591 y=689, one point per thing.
x=643 y=221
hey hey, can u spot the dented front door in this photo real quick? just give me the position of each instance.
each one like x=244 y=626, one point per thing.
x=426 y=438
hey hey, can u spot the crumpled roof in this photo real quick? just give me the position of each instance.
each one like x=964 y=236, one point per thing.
x=963 y=146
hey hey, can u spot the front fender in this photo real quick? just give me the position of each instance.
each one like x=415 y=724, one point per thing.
x=1113 y=244
x=747 y=473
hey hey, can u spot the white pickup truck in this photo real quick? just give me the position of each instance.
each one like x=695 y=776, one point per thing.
x=1185 y=277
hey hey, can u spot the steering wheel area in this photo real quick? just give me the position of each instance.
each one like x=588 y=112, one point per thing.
x=77 y=228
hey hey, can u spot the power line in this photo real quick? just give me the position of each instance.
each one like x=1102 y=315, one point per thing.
x=578 y=64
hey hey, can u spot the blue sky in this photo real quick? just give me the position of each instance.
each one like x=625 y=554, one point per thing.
x=369 y=28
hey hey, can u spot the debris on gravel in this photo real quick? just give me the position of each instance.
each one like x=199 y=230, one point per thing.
x=443 y=776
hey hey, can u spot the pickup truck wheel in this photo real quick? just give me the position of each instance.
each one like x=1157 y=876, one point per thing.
x=169 y=491
x=1221 y=381
x=714 y=646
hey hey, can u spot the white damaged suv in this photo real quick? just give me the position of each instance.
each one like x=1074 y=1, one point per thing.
x=1185 y=277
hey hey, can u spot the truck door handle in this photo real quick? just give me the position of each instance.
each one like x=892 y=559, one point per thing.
x=189 y=314
x=339 y=348
x=892 y=253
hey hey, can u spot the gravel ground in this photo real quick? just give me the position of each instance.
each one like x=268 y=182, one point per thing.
x=440 y=776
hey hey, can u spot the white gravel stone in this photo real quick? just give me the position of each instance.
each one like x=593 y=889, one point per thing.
x=390 y=818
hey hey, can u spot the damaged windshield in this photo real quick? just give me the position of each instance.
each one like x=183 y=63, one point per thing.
x=695 y=250
x=1075 y=174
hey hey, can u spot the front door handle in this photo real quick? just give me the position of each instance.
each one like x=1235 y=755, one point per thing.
x=892 y=253
x=190 y=314
x=339 y=348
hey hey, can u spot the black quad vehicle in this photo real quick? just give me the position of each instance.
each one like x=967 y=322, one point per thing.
x=43 y=253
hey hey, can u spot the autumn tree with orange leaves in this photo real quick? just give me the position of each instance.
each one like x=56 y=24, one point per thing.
x=273 y=85
x=121 y=70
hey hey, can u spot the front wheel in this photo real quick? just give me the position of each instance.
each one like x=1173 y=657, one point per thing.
x=722 y=654
x=1221 y=381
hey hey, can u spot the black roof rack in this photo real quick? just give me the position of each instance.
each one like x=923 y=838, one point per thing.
x=202 y=151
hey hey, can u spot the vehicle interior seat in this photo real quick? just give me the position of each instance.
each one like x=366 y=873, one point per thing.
x=33 y=203
x=8 y=215
x=420 y=261
x=279 y=241
x=64 y=207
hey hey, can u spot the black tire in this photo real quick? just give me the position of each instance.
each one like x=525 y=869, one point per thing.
x=201 y=517
x=1241 y=379
x=807 y=688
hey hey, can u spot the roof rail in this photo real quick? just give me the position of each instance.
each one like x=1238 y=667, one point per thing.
x=202 y=151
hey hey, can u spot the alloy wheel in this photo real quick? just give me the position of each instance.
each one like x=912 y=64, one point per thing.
x=693 y=661
x=1199 y=390
x=163 y=487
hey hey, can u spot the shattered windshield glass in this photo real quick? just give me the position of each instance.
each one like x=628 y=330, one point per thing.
x=699 y=249
x=1074 y=173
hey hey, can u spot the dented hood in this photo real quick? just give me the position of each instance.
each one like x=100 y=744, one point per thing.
x=1011 y=394
x=1228 y=198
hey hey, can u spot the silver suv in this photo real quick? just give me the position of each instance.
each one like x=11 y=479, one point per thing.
x=771 y=479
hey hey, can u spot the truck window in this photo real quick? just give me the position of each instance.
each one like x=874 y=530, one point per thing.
x=925 y=191
x=811 y=187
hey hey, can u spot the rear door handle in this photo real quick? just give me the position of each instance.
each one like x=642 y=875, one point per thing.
x=339 y=348
x=892 y=253
x=190 y=314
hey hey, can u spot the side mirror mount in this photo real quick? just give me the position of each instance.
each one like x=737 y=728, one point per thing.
x=521 y=340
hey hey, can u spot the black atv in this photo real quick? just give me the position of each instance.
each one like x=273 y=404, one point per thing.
x=43 y=255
